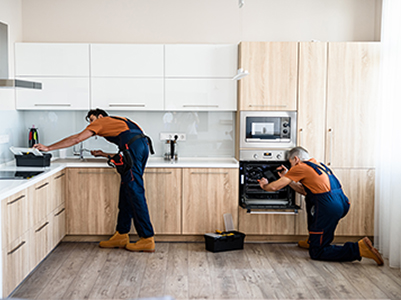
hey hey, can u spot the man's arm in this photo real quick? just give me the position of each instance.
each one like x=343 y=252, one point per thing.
x=298 y=187
x=275 y=185
x=67 y=142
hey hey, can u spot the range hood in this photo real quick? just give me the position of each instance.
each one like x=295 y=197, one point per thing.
x=6 y=82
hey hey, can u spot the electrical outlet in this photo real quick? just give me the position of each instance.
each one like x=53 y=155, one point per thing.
x=4 y=139
x=170 y=136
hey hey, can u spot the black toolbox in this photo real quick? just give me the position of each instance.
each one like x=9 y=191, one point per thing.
x=32 y=160
x=224 y=241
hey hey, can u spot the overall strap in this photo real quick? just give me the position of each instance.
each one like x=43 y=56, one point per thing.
x=318 y=169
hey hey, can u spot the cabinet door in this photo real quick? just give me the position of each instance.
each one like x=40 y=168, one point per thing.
x=163 y=195
x=207 y=195
x=359 y=186
x=272 y=80
x=40 y=201
x=266 y=224
x=14 y=217
x=58 y=223
x=312 y=98
x=127 y=93
x=16 y=263
x=201 y=61
x=42 y=59
x=353 y=77
x=92 y=199
x=58 y=190
x=41 y=237
x=56 y=94
x=200 y=94
x=126 y=60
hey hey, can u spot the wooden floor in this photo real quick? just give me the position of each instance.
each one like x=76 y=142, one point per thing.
x=188 y=271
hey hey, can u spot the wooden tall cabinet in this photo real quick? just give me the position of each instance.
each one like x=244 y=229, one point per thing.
x=272 y=80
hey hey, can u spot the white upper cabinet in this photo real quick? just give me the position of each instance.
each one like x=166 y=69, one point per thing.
x=126 y=60
x=60 y=60
x=207 y=61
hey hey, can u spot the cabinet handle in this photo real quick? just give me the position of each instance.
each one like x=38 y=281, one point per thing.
x=330 y=145
x=55 y=104
x=266 y=105
x=42 y=186
x=15 y=200
x=59 y=213
x=126 y=104
x=301 y=131
x=200 y=105
x=59 y=176
x=16 y=248
x=295 y=212
x=94 y=172
x=158 y=172
x=41 y=227
x=225 y=173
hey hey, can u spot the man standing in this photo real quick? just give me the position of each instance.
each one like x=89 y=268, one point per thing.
x=132 y=203
x=327 y=204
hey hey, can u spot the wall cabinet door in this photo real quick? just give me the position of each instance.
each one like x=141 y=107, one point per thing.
x=352 y=85
x=200 y=94
x=207 y=195
x=16 y=263
x=92 y=200
x=128 y=93
x=119 y=60
x=51 y=59
x=163 y=195
x=14 y=217
x=272 y=80
x=56 y=94
x=40 y=203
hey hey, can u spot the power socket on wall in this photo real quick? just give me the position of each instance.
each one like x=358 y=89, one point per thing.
x=4 y=139
x=170 y=136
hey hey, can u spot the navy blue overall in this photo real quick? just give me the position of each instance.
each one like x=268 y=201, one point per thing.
x=132 y=203
x=324 y=212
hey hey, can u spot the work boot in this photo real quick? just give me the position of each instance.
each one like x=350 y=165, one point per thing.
x=367 y=250
x=116 y=241
x=143 y=245
x=304 y=244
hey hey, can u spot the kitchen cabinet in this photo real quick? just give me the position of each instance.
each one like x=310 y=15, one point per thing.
x=63 y=70
x=39 y=203
x=58 y=222
x=199 y=77
x=273 y=74
x=41 y=237
x=207 y=195
x=127 y=77
x=92 y=199
x=58 y=189
x=266 y=224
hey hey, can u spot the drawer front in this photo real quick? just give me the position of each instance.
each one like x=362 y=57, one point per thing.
x=39 y=205
x=41 y=235
x=58 y=223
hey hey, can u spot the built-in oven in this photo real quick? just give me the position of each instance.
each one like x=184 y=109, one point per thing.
x=265 y=139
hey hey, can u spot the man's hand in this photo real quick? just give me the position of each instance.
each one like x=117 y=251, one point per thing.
x=283 y=171
x=262 y=182
x=41 y=147
x=97 y=153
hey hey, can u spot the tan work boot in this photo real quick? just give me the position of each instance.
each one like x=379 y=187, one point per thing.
x=143 y=245
x=117 y=240
x=304 y=244
x=367 y=250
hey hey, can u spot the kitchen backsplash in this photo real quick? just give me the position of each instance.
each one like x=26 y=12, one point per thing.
x=12 y=132
x=208 y=134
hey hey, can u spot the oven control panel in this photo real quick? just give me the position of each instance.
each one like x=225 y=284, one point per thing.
x=263 y=155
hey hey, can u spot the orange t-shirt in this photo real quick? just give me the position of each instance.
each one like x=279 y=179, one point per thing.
x=309 y=178
x=108 y=127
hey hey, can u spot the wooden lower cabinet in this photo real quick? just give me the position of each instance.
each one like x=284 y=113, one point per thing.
x=92 y=201
x=207 y=195
x=58 y=224
x=58 y=189
x=40 y=201
x=16 y=263
x=41 y=237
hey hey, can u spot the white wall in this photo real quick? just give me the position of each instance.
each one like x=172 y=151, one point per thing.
x=199 y=21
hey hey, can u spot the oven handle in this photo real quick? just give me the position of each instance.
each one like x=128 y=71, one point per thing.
x=295 y=212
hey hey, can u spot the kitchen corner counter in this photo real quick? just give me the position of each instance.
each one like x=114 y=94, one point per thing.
x=10 y=187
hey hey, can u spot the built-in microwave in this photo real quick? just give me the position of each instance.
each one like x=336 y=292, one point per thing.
x=268 y=129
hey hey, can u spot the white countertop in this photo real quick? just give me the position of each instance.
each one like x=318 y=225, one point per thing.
x=10 y=187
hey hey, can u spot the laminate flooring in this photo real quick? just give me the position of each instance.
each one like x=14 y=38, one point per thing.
x=188 y=271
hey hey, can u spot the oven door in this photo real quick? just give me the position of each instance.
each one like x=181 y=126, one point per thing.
x=252 y=196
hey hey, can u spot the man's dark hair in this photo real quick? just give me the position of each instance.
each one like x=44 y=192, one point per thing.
x=96 y=112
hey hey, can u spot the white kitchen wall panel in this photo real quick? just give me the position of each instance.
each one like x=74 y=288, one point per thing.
x=127 y=93
x=56 y=94
x=201 y=94
x=207 y=61
x=45 y=59
x=129 y=60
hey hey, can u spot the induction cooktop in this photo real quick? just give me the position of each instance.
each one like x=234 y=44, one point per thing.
x=18 y=175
